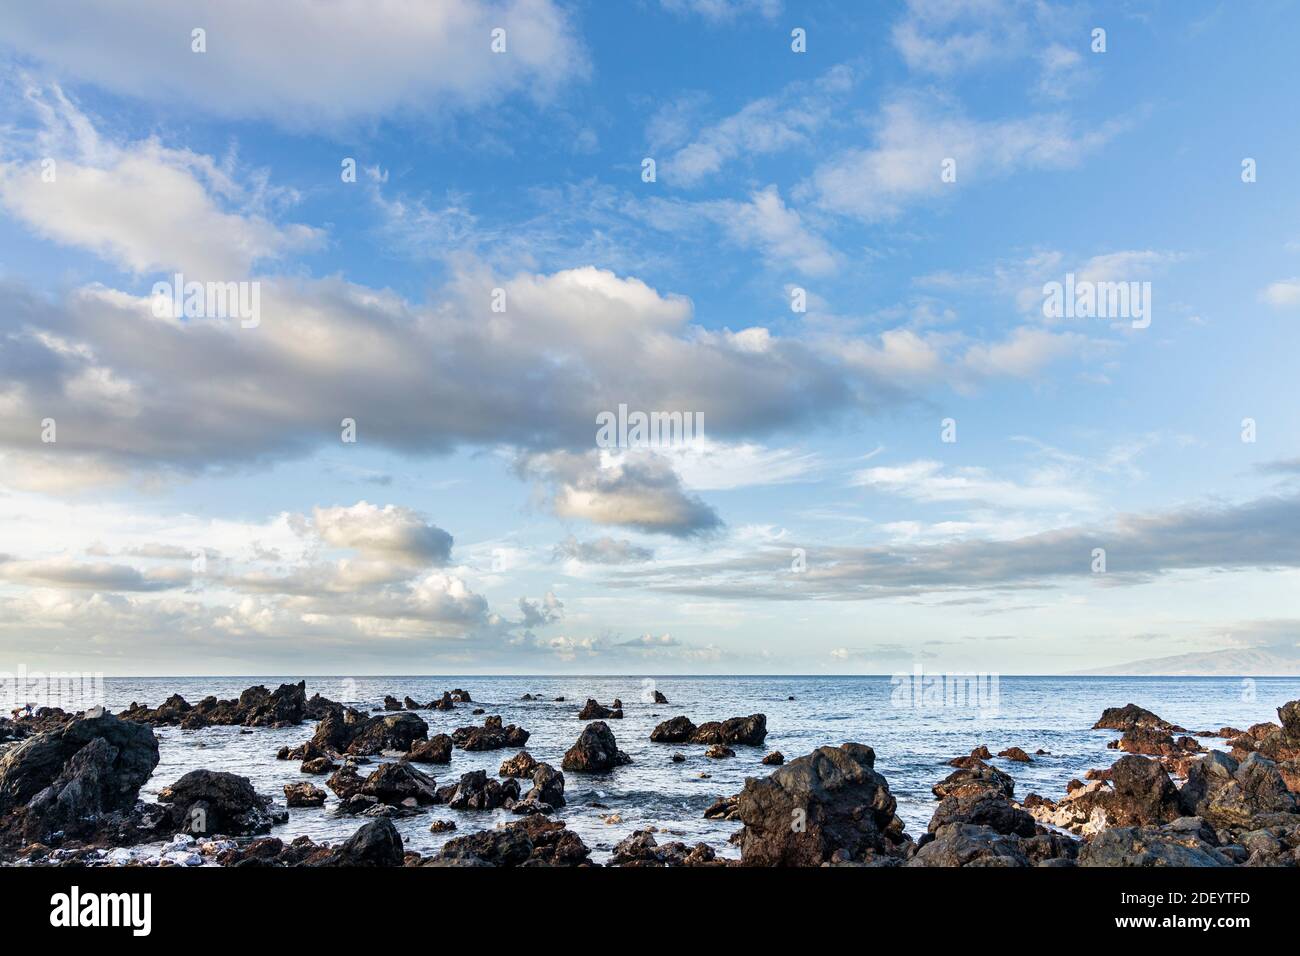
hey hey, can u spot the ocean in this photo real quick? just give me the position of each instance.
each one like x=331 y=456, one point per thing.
x=912 y=737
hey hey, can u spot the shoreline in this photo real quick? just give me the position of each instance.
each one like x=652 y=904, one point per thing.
x=1167 y=797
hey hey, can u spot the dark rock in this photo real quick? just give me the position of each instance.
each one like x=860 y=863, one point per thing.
x=303 y=795
x=533 y=841
x=594 y=711
x=491 y=736
x=397 y=731
x=641 y=849
x=724 y=808
x=1255 y=787
x=1156 y=743
x=213 y=801
x=521 y=764
x=966 y=844
x=391 y=702
x=596 y=751
x=974 y=778
x=442 y=826
x=318 y=765
x=1016 y=754
x=346 y=782
x=547 y=793
x=1130 y=716
x=1149 y=846
x=376 y=844
x=830 y=800
x=775 y=758
x=679 y=758
x=68 y=779
x=476 y=791
x=735 y=730
x=985 y=808
x=437 y=749
x=678 y=730
x=1143 y=794
x=395 y=783
x=660 y=698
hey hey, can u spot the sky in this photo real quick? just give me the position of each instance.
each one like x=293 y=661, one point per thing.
x=826 y=233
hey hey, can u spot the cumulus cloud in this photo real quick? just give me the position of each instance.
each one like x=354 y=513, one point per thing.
x=390 y=533
x=635 y=489
x=548 y=610
x=140 y=205
x=301 y=63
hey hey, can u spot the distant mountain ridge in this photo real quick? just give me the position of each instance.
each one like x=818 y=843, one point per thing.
x=1235 y=662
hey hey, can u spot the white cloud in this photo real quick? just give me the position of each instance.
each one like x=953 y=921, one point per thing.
x=632 y=489
x=912 y=140
x=947 y=36
x=767 y=125
x=391 y=532
x=722 y=11
x=140 y=205
x=301 y=63
x=1283 y=294
x=931 y=482
x=1024 y=354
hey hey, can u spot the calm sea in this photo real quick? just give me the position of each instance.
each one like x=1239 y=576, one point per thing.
x=912 y=739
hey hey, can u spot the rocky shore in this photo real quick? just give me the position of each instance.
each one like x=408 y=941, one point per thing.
x=70 y=793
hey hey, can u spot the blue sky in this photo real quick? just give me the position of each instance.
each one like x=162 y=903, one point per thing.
x=198 y=511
